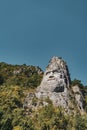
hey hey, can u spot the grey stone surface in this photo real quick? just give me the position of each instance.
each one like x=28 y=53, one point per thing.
x=55 y=85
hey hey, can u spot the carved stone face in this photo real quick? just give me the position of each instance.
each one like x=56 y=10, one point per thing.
x=53 y=75
x=54 y=80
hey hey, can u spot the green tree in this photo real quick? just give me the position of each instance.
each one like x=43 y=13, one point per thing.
x=7 y=124
x=77 y=82
x=1 y=80
x=81 y=123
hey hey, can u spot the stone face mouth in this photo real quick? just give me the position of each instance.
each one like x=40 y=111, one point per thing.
x=51 y=79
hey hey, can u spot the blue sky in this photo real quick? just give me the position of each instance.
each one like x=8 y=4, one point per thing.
x=33 y=31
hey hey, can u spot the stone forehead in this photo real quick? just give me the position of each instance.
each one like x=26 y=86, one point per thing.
x=55 y=63
x=49 y=69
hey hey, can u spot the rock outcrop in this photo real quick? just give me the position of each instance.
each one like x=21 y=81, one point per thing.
x=55 y=83
x=78 y=98
x=55 y=86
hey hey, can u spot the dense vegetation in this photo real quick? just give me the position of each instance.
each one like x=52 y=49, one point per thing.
x=22 y=75
x=18 y=80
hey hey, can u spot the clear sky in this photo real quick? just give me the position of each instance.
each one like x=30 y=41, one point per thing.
x=33 y=31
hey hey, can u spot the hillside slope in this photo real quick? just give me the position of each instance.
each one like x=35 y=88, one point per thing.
x=16 y=82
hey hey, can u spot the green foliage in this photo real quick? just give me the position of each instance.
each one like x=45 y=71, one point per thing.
x=81 y=123
x=12 y=115
x=77 y=82
x=6 y=124
x=18 y=80
x=22 y=75
x=1 y=80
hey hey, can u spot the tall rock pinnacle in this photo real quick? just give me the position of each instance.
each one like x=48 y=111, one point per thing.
x=56 y=75
x=55 y=85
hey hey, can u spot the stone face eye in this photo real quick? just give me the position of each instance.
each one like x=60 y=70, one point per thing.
x=47 y=73
x=55 y=71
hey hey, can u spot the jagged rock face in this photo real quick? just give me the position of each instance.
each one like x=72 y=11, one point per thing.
x=55 y=83
x=79 y=98
x=55 y=77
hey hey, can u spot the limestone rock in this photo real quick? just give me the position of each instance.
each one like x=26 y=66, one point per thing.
x=79 y=98
x=55 y=85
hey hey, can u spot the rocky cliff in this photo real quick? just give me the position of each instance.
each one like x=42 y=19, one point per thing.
x=55 y=86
